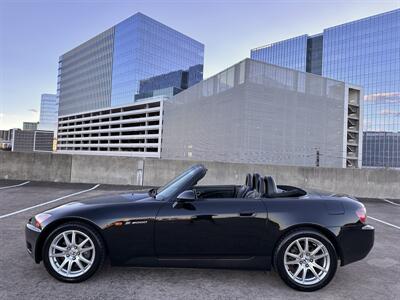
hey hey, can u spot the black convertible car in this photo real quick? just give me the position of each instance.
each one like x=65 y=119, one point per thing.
x=302 y=235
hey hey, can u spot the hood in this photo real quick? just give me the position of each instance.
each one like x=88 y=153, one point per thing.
x=103 y=201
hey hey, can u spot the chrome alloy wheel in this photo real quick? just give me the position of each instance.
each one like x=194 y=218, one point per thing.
x=307 y=261
x=72 y=253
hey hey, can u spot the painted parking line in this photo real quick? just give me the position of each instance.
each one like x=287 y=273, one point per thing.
x=49 y=202
x=12 y=186
x=391 y=202
x=383 y=222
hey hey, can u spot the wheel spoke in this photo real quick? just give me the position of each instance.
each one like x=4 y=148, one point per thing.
x=292 y=255
x=67 y=242
x=320 y=256
x=69 y=267
x=292 y=262
x=57 y=255
x=86 y=249
x=313 y=271
x=59 y=248
x=78 y=262
x=73 y=238
x=62 y=265
x=306 y=245
x=84 y=260
x=298 y=271
x=315 y=251
x=304 y=274
x=83 y=243
x=319 y=267
x=299 y=246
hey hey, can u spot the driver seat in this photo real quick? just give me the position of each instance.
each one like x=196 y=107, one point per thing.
x=245 y=188
x=252 y=192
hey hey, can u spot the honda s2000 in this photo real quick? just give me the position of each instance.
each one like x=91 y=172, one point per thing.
x=258 y=225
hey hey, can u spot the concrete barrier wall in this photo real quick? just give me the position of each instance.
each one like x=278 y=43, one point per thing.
x=381 y=183
x=105 y=169
x=38 y=166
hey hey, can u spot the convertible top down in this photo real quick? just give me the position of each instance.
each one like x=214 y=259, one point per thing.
x=258 y=225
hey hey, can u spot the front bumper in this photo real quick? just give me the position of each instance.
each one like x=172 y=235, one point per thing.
x=31 y=236
x=356 y=242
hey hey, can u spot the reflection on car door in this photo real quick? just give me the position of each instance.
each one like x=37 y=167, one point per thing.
x=213 y=227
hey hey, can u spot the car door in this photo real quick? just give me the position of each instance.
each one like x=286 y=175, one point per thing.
x=211 y=228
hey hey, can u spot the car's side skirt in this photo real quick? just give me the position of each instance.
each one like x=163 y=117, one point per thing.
x=250 y=263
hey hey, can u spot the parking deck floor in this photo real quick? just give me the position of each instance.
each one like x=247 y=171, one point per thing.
x=375 y=277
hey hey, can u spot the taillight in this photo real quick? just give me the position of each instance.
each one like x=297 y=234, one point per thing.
x=362 y=214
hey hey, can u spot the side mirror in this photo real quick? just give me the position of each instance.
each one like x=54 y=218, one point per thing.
x=186 y=196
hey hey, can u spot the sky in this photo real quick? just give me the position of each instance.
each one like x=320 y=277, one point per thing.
x=33 y=34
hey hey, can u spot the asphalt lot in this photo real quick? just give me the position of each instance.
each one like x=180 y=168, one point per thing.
x=375 y=277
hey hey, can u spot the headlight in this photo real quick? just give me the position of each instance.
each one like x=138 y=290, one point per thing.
x=39 y=219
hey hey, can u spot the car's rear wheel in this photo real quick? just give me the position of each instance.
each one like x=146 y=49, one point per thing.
x=73 y=252
x=306 y=260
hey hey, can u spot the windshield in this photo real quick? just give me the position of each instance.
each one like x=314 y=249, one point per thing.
x=177 y=183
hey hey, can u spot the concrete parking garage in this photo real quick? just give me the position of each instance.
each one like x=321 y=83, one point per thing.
x=375 y=277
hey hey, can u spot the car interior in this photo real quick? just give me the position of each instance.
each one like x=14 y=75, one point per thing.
x=256 y=186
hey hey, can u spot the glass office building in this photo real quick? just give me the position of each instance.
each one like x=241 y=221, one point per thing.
x=48 y=112
x=106 y=71
x=291 y=53
x=365 y=52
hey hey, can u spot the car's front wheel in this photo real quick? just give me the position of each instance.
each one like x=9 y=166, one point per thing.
x=306 y=260
x=73 y=252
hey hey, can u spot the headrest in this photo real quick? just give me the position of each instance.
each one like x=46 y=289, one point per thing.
x=261 y=188
x=270 y=185
x=248 y=180
x=255 y=181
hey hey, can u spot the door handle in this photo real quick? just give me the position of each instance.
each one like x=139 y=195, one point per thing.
x=247 y=214
x=202 y=217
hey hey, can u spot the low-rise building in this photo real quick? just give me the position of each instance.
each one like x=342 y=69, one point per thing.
x=255 y=112
x=30 y=126
x=130 y=130
x=4 y=135
x=31 y=140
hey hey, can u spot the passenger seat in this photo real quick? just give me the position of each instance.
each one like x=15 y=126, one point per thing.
x=245 y=188
x=262 y=187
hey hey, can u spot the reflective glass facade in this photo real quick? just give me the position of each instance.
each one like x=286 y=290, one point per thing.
x=366 y=52
x=84 y=80
x=106 y=71
x=291 y=53
x=314 y=54
x=48 y=112
x=145 y=48
x=177 y=78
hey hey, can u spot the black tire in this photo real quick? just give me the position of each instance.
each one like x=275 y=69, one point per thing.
x=286 y=241
x=99 y=253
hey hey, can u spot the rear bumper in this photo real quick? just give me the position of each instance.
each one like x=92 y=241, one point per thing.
x=355 y=242
x=31 y=236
